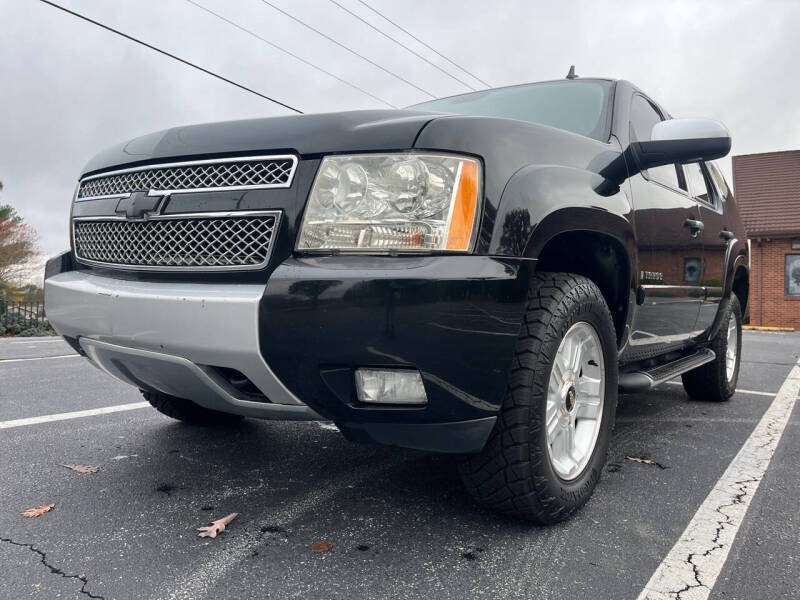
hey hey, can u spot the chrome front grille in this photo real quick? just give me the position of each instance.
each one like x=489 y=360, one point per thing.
x=201 y=242
x=208 y=175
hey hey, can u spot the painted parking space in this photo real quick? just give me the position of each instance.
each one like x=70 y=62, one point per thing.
x=16 y=348
x=399 y=520
x=54 y=381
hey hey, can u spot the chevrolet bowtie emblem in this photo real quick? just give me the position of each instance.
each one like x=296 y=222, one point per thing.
x=138 y=204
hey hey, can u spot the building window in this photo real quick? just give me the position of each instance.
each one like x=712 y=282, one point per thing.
x=691 y=270
x=793 y=274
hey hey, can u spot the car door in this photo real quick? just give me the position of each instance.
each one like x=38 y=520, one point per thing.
x=715 y=236
x=670 y=252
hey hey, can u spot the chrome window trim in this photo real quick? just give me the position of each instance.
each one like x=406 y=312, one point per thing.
x=276 y=214
x=192 y=163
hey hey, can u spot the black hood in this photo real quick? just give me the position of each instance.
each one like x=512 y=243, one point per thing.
x=307 y=135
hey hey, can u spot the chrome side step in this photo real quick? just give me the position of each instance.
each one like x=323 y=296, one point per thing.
x=641 y=381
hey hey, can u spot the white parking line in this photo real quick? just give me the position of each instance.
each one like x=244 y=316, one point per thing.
x=691 y=568
x=738 y=391
x=72 y=415
x=10 y=360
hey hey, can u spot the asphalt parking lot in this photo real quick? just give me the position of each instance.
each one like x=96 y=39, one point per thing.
x=400 y=523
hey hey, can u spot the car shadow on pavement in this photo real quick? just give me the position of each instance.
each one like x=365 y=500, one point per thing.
x=270 y=465
x=267 y=465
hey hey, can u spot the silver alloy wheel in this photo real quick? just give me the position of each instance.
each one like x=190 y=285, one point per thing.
x=731 y=349
x=575 y=397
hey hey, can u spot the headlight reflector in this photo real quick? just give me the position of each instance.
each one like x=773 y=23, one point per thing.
x=392 y=202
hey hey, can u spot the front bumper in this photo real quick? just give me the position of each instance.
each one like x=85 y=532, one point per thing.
x=172 y=338
x=300 y=336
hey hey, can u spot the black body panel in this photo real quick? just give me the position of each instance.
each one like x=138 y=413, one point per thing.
x=456 y=319
x=306 y=135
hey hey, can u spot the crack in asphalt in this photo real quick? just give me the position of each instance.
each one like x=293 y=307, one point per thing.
x=54 y=570
x=742 y=492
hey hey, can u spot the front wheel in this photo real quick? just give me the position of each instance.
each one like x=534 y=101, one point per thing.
x=716 y=381
x=549 y=445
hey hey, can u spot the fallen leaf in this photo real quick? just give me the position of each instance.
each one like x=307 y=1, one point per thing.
x=646 y=461
x=321 y=546
x=214 y=528
x=38 y=512
x=82 y=468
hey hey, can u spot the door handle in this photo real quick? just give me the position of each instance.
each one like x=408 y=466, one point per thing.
x=726 y=235
x=694 y=226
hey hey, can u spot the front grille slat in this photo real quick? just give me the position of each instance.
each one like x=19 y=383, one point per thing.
x=208 y=241
x=260 y=172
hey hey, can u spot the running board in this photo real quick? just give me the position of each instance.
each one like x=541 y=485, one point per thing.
x=641 y=381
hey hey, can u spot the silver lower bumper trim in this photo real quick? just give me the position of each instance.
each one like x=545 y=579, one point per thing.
x=180 y=377
x=168 y=336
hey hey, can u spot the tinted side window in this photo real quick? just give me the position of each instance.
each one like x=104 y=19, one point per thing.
x=698 y=186
x=643 y=117
x=719 y=180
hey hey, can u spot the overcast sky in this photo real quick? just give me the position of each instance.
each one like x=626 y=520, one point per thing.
x=69 y=89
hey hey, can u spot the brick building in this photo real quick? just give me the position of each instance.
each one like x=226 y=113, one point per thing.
x=767 y=188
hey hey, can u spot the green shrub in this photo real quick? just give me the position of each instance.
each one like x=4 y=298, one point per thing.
x=15 y=323
x=34 y=331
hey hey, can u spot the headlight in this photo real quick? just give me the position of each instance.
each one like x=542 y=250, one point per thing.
x=393 y=202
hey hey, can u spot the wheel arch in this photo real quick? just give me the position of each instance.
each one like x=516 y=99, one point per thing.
x=737 y=282
x=740 y=283
x=598 y=256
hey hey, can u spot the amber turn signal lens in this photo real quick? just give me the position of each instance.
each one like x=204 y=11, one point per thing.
x=462 y=221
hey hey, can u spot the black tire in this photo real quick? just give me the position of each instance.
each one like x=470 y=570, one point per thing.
x=189 y=412
x=711 y=382
x=513 y=474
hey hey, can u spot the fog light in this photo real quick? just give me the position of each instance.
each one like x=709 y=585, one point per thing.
x=390 y=386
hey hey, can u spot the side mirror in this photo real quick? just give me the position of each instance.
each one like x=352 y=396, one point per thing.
x=683 y=141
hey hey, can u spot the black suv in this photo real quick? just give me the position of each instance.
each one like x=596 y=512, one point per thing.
x=479 y=275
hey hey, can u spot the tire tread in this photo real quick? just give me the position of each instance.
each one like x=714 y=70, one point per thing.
x=504 y=477
x=710 y=381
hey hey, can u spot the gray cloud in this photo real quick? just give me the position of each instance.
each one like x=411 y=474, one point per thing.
x=69 y=89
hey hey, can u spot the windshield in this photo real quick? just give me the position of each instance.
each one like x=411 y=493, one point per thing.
x=577 y=106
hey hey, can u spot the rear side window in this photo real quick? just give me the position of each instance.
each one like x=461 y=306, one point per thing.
x=698 y=186
x=643 y=116
x=719 y=180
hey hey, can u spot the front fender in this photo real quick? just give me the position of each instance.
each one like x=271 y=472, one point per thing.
x=541 y=201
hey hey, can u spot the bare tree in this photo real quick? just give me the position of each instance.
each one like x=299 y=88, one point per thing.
x=17 y=244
